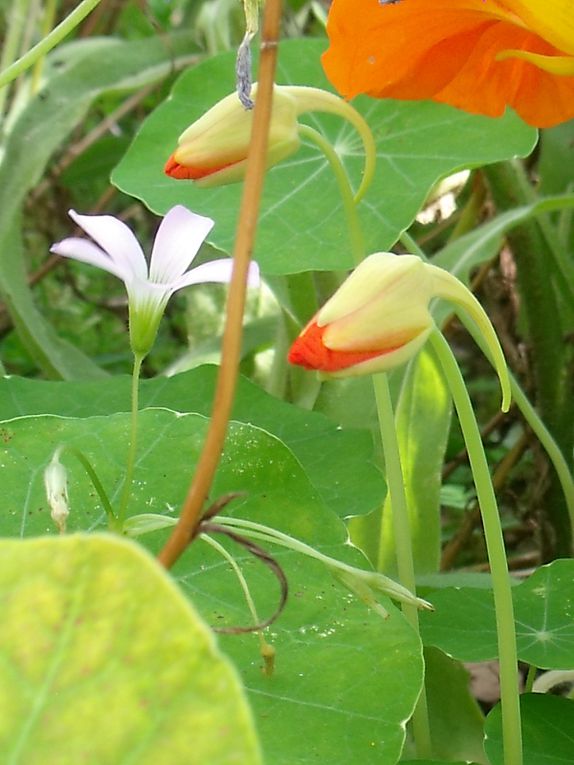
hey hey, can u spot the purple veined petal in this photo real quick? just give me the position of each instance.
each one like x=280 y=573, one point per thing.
x=215 y=271
x=116 y=239
x=179 y=237
x=88 y=252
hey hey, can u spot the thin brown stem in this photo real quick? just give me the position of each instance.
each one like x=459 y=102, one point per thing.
x=244 y=242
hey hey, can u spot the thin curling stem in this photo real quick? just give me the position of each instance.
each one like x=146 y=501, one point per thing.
x=314 y=99
x=507 y=652
x=349 y=200
x=244 y=242
x=520 y=399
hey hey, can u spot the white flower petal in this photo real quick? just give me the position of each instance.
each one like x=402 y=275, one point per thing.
x=116 y=239
x=215 y=271
x=88 y=252
x=177 y=242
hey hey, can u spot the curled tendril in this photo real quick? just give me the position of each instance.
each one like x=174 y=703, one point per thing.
x=262 y=555
x=206 y=526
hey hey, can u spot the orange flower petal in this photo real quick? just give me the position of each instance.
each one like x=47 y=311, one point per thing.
x=448 y=51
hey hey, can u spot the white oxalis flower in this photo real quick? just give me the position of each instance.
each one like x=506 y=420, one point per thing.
x=116 y=250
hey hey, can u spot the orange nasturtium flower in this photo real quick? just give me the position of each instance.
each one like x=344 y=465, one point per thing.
x=478 y=55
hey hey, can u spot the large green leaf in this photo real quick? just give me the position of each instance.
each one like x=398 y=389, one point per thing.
x=340 y=669
x=103 y=661
x=302 y=224
x=339 y=462
x=547 y=731
x=463 y=624
x=77 y=74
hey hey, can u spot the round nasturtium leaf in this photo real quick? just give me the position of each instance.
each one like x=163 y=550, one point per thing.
x=103 y=661
x=547 y=725
x=463 y=624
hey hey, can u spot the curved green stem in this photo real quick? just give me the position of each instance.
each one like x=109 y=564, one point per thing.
x=521 y=400
x=319 y=100
x=50 y=41
x=132 y=450
x=349 y=200
x=550 y=446
x=238 y=573
x=496 y=553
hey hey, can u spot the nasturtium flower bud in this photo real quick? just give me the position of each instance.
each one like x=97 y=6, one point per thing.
x=379 y=318
x=56 y=484
x=213 y=150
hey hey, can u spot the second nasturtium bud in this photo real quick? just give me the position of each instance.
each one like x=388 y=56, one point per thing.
x=213 y=150
x=379 y=318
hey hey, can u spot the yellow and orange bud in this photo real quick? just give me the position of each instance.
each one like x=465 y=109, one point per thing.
x=213 y=150
x=379 y=318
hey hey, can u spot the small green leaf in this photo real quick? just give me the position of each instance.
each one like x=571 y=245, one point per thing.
x=463 y=624
x=103 y=661
x=547 y=731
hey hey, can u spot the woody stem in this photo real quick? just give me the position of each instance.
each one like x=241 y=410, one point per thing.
x=231 y=346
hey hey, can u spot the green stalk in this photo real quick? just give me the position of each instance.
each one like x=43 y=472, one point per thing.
x=353 y=223
x=50 y=41
x=404 y=552
x=530 y=678
x=507 y=653
x=16 y=23
x=47 y=24
x=132 y=449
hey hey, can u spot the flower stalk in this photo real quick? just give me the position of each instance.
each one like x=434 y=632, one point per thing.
x=132 y=448
x=506 y=634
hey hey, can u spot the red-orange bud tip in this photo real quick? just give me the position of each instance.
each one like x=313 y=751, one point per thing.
x=310 y=352
x=183 y=172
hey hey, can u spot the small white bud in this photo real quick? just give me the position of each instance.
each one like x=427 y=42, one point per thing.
x=56 y=483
